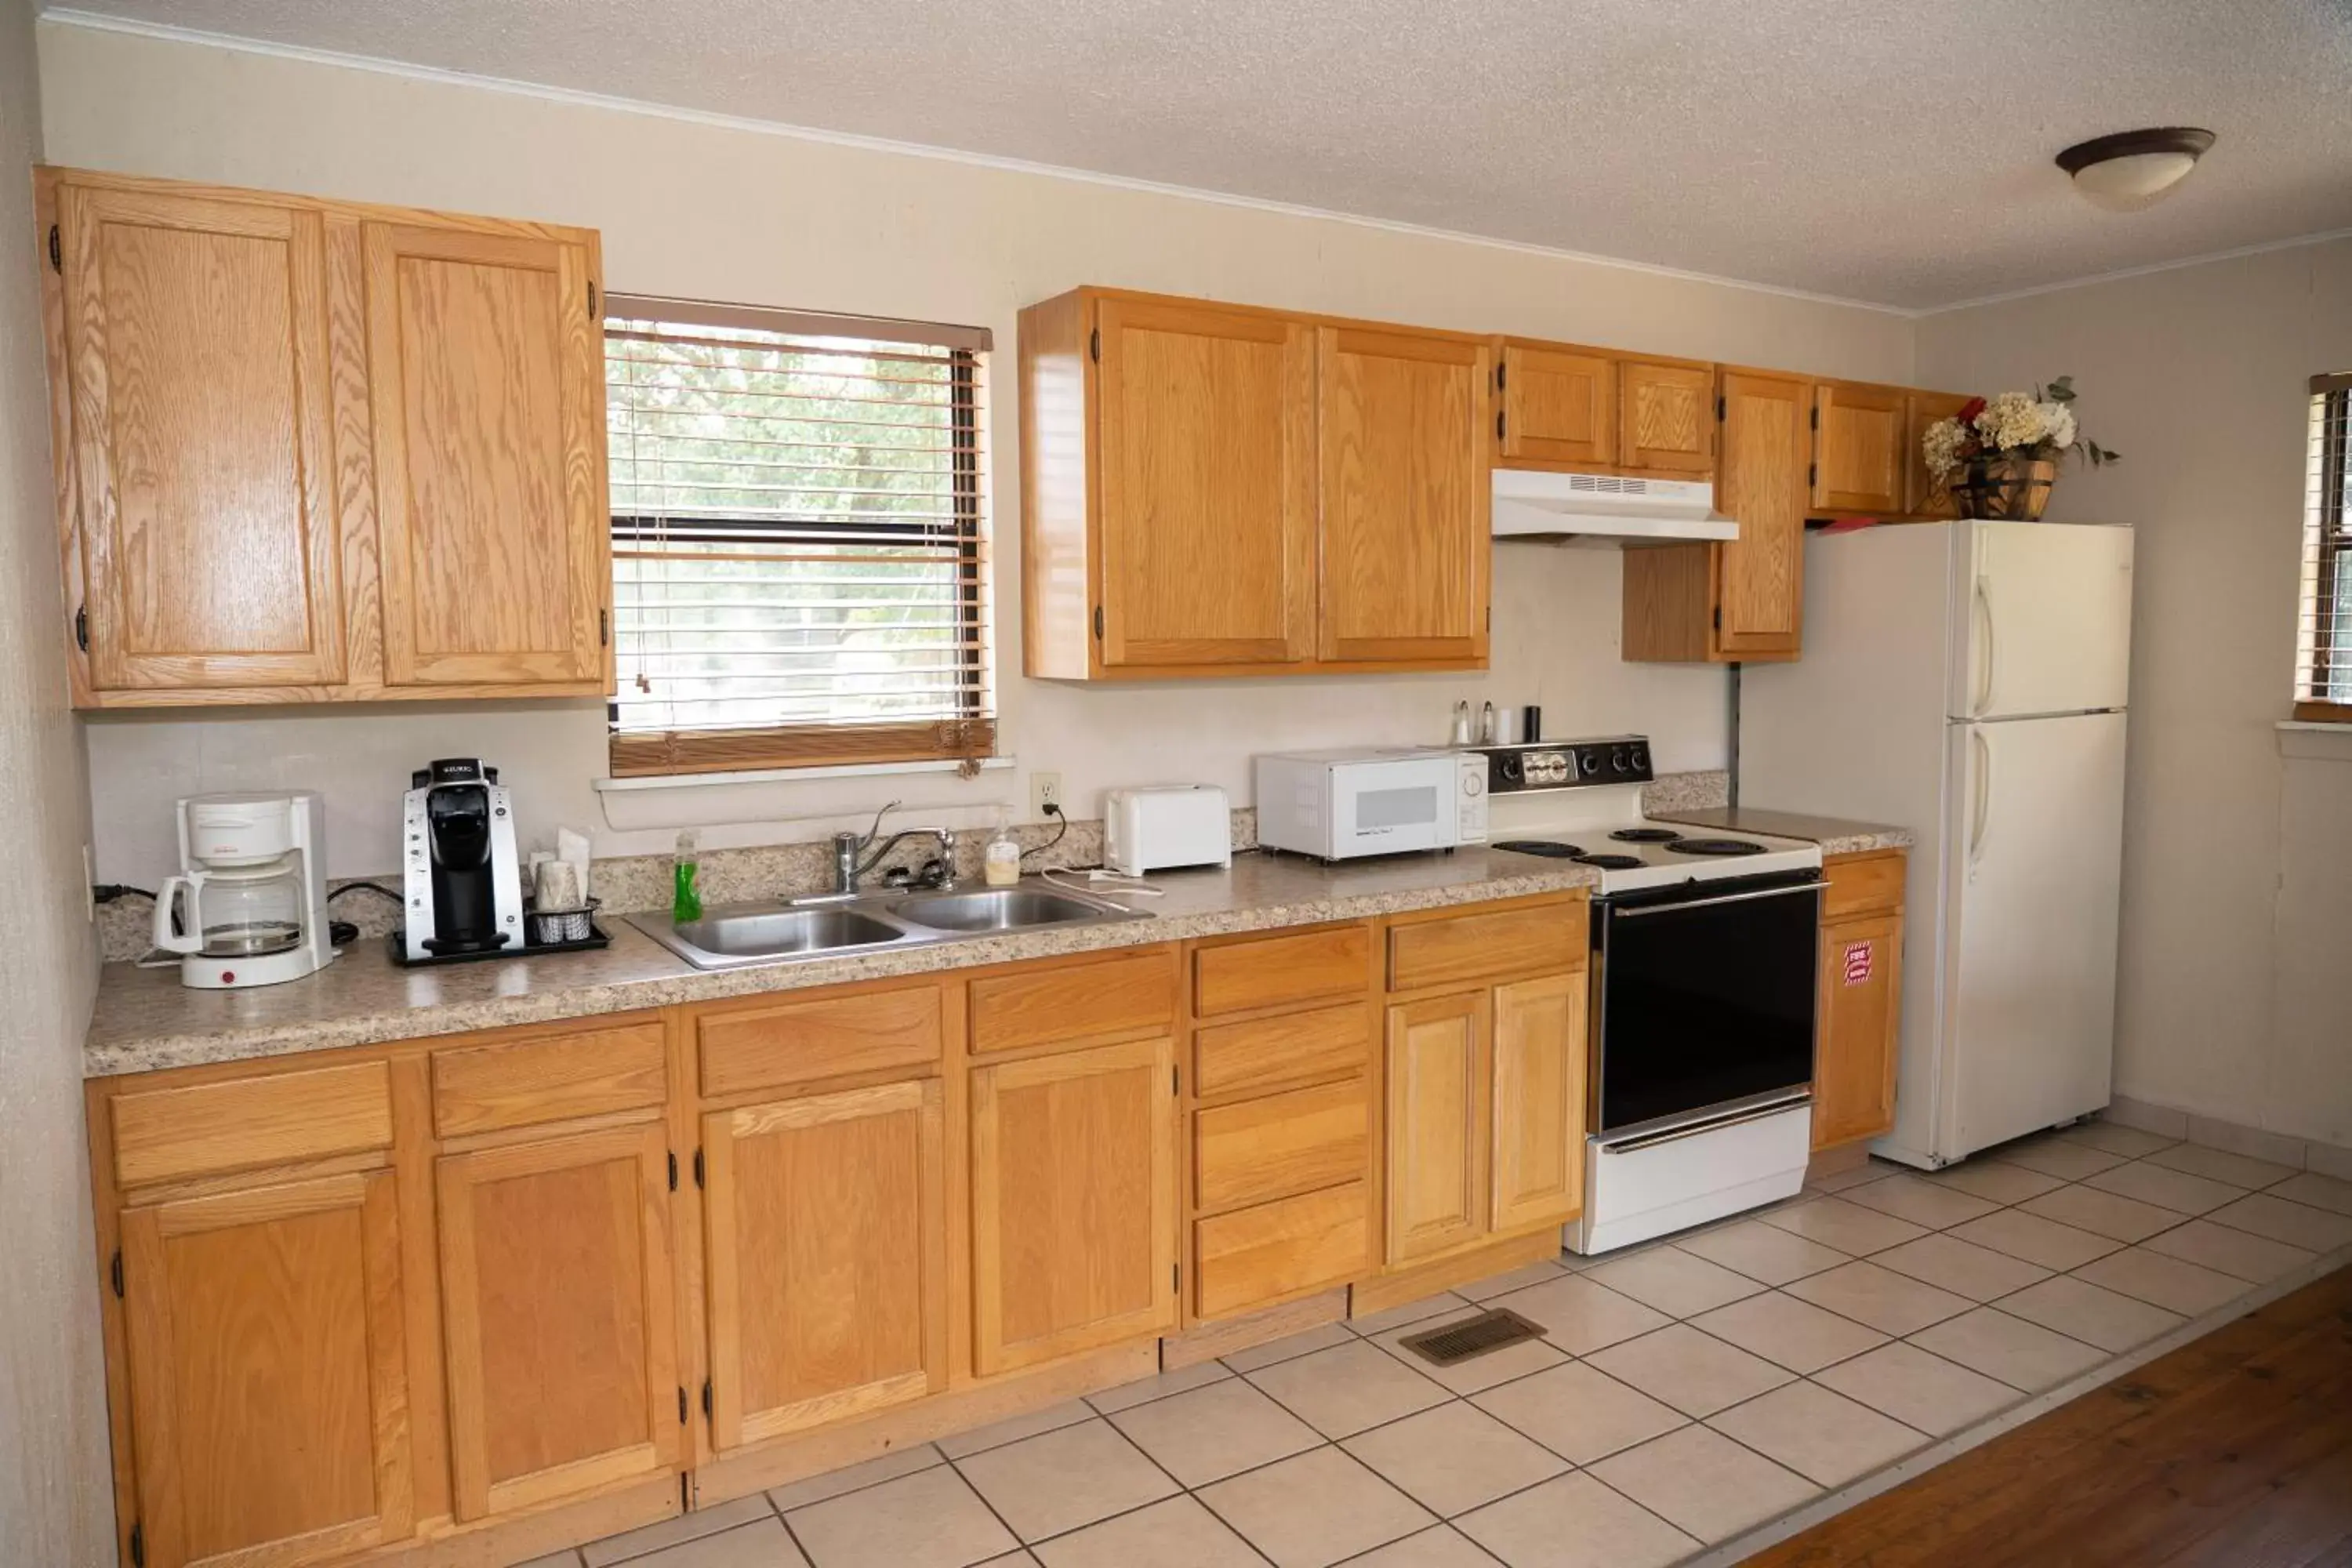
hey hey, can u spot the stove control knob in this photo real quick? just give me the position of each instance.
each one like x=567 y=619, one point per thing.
x=1641 y=759
x=1618 y=762
x=1590 y=762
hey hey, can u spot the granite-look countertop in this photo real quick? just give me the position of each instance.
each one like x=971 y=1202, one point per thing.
x=1835 y=834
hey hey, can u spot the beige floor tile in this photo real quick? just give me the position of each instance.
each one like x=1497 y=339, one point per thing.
x=2035 y=1239
x=928 y=1520
x=873 y=1472
x=1012 y=1429
x=1012 y=1560
x=2023 y=1356
x=1890 y=1302
x=1316 y=1509
x=1963 y=1267
x=567 y=1558
x=2317 y=1191
x=2067 y=1161
x=1702 y=1483
x=1920 y=1201
x=2241 y=1253
x=1517 y=1279
x=1453 y=1458
x=1919 y=1390
x=1825 y=1437
x=2297 y=1225
x=2221 y=1165
x=1177 y=1534
x=1678 y=1283
x=1440 y=1546
x=1480 y=1370
x=1407 y=1312
x=2168 y=1282
x=1994 y=1181
x=1575 y=1522
x=2103 y=1214
x=2088 y=1313
x=2179 y=1191
x=1795 y=1334
x=1578 y=1412
x=1044 y=1486
x=1854 y=1176
x=1215 y=1431
x=671 y=1531
x=1849 y=1228
x=1697 y=1373
x=762 y=1544
x=1321 y=1337
x=1145 y=1389
x=1347 y=1388
x=1580 y=1317
x=2111 y=1138
x=1762 y=1252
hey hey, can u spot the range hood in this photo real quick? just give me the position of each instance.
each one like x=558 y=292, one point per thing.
x=1600 y=508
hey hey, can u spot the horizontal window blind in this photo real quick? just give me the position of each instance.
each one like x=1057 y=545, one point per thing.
x=800 y=566
x=2322 y=678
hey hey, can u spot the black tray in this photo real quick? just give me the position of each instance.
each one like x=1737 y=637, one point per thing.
x=397 y=942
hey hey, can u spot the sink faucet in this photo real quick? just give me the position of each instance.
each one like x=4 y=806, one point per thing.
x=848 y=867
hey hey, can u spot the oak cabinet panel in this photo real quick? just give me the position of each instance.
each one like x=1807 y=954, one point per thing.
x=825 y=1256
x=1289 y=1047
x=557 y=1300
x=1858 y=465
x=1255 y=1257
x=1295 y=1141
x=1277 y=971
x=1074 y=1201
x=1438 y=1070
x=1663 y=425
x=1539 y=1102
x=1761 y=482
x=268 y=1379
x=1924 y=495
x=1861 y=1010
x=1486 y=944
x=1559 y=405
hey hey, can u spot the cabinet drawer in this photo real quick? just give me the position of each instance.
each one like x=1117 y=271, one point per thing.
x=1862 y=882
x=1134 y=993
x=1259 y=1255
x=819 y=1036
x=242 y=1125
x=1285 y=1143
x=1264 y=1052
x=1271 y=971
x=486 y=1087
x=1476 y=946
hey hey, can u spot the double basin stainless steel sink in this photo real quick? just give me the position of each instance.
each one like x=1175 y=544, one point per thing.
x=738 y=936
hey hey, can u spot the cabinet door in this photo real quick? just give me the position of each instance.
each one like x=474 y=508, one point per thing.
x=1924 y=495
x=1761 y=482
x=1559 y=407
x=1406 y=470
x=1861 y=1010
x=555 y=1293
x=487 y=393
x=269 y=1389
x=197 y=345
x=1538 y=1115
x=1858 y=449
x=1438 y=1082
x=1663 y=426
x=826 y=1257
x=1207 y=449
x=1074 y=1201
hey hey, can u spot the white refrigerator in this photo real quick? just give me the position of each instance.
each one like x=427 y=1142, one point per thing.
x=1968 y=681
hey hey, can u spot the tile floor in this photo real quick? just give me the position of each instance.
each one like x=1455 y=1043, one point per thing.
x=1683 y=1392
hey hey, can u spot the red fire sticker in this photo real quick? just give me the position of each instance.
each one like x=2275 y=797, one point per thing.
x=1857 y=962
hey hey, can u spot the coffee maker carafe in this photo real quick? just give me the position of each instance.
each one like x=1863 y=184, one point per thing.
x=463 y=884
x=249 y=905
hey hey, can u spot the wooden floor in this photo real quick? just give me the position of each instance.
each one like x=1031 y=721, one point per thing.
x=2231 y=1452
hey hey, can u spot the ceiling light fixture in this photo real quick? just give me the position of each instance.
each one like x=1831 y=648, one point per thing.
x=2133 y=169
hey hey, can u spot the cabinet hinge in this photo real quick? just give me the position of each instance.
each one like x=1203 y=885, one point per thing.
x=81 y=627
x=1176 y=1081
x=706 y=1400
x=603 y=628
x=1718 y=408
x=1094 y=345
x=1097 y=623
x=673 y=1187
x=1176 y=1279
x=114 y=1274
x=138 y=1546
x=1498 y=426
x=1500 y=366
x=698 y=1168
x=1811 y=469
x=681 y=1404
x=591 y=302
x=1817 y=416
x=1719 y=618
x=57 y=252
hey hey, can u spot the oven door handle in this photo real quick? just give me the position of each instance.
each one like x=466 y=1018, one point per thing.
x=1625 y=914
x=1712 y=1125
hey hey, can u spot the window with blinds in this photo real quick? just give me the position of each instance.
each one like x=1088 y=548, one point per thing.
x=799 y=562
x=2323 y=675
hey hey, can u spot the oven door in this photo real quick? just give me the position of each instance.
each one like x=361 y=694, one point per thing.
x=1706 y=997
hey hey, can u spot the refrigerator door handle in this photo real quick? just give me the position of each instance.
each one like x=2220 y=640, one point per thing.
x=1980 y=798
x=1981 y=610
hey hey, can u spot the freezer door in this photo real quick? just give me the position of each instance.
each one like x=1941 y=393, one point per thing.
x=2030 y=907
x=2042 y=621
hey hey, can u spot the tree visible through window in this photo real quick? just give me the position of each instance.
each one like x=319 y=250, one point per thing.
x=2323 y=678
x=800 y=566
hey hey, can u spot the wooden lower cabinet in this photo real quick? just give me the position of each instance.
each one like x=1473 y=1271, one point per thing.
x=1439 y=1060
x=1857 y=1040
x=1539 y=1102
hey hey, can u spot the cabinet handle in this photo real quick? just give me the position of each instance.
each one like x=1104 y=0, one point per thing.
x=57 y=252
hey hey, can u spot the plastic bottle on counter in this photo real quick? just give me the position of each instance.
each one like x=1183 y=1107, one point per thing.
x=686 y=897
x=1001 y=861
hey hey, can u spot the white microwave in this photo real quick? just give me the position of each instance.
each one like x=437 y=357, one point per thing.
x=1341 y=805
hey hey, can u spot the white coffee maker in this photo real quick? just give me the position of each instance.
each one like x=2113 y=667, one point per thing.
x=249 y=907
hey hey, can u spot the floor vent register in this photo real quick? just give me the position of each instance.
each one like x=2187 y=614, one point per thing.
x=1492 y=1330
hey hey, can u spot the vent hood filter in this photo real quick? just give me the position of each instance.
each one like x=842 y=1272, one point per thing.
x=1601 y=507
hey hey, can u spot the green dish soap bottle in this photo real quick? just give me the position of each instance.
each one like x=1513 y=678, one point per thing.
x=686 y=899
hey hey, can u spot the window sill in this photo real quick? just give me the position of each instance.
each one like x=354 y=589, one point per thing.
x=789 y=775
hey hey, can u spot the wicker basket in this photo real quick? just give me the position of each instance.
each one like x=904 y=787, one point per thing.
x=2013 y=488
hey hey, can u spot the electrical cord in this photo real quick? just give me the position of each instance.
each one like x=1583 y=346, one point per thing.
x=1060 y=832
x=367 y=887
x=106 y=892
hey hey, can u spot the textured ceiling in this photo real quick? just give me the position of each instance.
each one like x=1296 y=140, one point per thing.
x=1897 y=152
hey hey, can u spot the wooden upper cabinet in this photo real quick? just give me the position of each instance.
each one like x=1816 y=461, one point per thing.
x=487 y=392
x=196 y=331
x=1761 y=483
x=1207 y=503
x=1406 y=469
x=1438 y=1140
x=269 y=1394
x=1858 y=467
x=1559 y=407
x=1924 y=496
x=1663 y=424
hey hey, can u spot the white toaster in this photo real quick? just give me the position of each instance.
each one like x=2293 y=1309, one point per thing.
x=1163 y=826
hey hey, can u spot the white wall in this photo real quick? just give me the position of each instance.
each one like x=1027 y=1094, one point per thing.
x=55 y=1502
x=2237 y=861
x=712 y=211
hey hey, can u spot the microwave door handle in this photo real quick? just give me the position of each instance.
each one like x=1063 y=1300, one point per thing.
x=1677 y=907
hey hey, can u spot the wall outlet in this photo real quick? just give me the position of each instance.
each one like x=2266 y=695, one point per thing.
x=1045 y=790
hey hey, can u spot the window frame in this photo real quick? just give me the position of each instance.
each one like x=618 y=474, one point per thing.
x=2326 y=552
